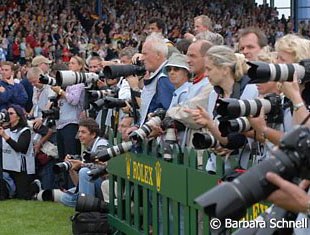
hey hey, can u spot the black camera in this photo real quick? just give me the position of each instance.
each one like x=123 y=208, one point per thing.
x=108 y=153
x=69 y=78
x=87 y=203
x=204 y=141
x=261 y=72
x=45 y=79
x=51 y=114
x=66 y=165
x=117 y=71
x=109 y=103
x=233 y=108
x=4 y=116
x=146 y=129
x=237 y=125
x=231 y=199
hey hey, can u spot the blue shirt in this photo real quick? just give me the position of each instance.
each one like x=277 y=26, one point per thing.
x=13 y=94
x=180 y=94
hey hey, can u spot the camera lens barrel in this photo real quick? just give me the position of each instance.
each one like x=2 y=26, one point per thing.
x=69 y=78
x=62 y=167
x=260 y=72
x=204 y=141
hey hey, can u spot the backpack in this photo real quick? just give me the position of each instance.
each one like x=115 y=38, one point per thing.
x=90 y=223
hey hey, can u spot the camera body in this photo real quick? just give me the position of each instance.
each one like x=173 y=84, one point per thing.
x=51 y=114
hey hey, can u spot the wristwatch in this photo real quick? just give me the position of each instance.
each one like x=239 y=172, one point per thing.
x=298 y=106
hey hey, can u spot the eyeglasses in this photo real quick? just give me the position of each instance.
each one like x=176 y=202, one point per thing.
x=170 y=68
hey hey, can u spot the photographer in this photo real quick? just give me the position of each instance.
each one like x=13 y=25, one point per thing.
x=17 y=152
x=70 y=102
x=226 y=73
x=42 y=94
x=88 y=135
x=158 y=90
x=198 y=93
x=290 y=49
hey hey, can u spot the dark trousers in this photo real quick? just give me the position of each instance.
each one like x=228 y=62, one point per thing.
x=67 y=143
x=24 y=188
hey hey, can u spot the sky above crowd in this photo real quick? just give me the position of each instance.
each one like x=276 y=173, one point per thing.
x=282 y=5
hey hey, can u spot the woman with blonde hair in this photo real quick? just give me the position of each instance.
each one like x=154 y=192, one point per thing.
x=226 y=72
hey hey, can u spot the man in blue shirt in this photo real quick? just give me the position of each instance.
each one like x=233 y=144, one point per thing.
x=158 y=90
x=10 y=92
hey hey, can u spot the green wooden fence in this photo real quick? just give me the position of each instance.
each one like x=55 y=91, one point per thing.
x=151 y=196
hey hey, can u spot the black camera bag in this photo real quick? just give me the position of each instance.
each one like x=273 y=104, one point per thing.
x=90 y=223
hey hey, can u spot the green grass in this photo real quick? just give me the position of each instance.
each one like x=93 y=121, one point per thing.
x=19 y=217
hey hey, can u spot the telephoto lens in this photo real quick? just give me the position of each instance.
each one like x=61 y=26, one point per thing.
x=109 y=103
x=62 y=167
x=170 y=141
x=45 y=79
x=69 y=78
x=117 y=71
x=261 y=72
x=237 y=125
x=146 y=129
x=108 y=153
x=204 y=141
x=66 y=165
x=233 y=108
x=231 y=199
x=99 y=94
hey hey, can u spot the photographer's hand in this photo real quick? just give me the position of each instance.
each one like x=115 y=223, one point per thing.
x=37 y=123
x=76 y=164
x=291 y=90
x=3 y=134
x=289 y=196
x=259 y=125
x=200 y=116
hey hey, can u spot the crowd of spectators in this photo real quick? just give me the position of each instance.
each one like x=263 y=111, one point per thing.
x=61 y=29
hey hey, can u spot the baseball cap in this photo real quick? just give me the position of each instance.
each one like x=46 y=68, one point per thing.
x=40 y=59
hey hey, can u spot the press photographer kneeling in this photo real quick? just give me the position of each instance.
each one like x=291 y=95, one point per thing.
x=17 y=153
x=88 y=135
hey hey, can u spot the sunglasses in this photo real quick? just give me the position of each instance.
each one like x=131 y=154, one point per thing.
x=170 y=68
x=11 y=113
